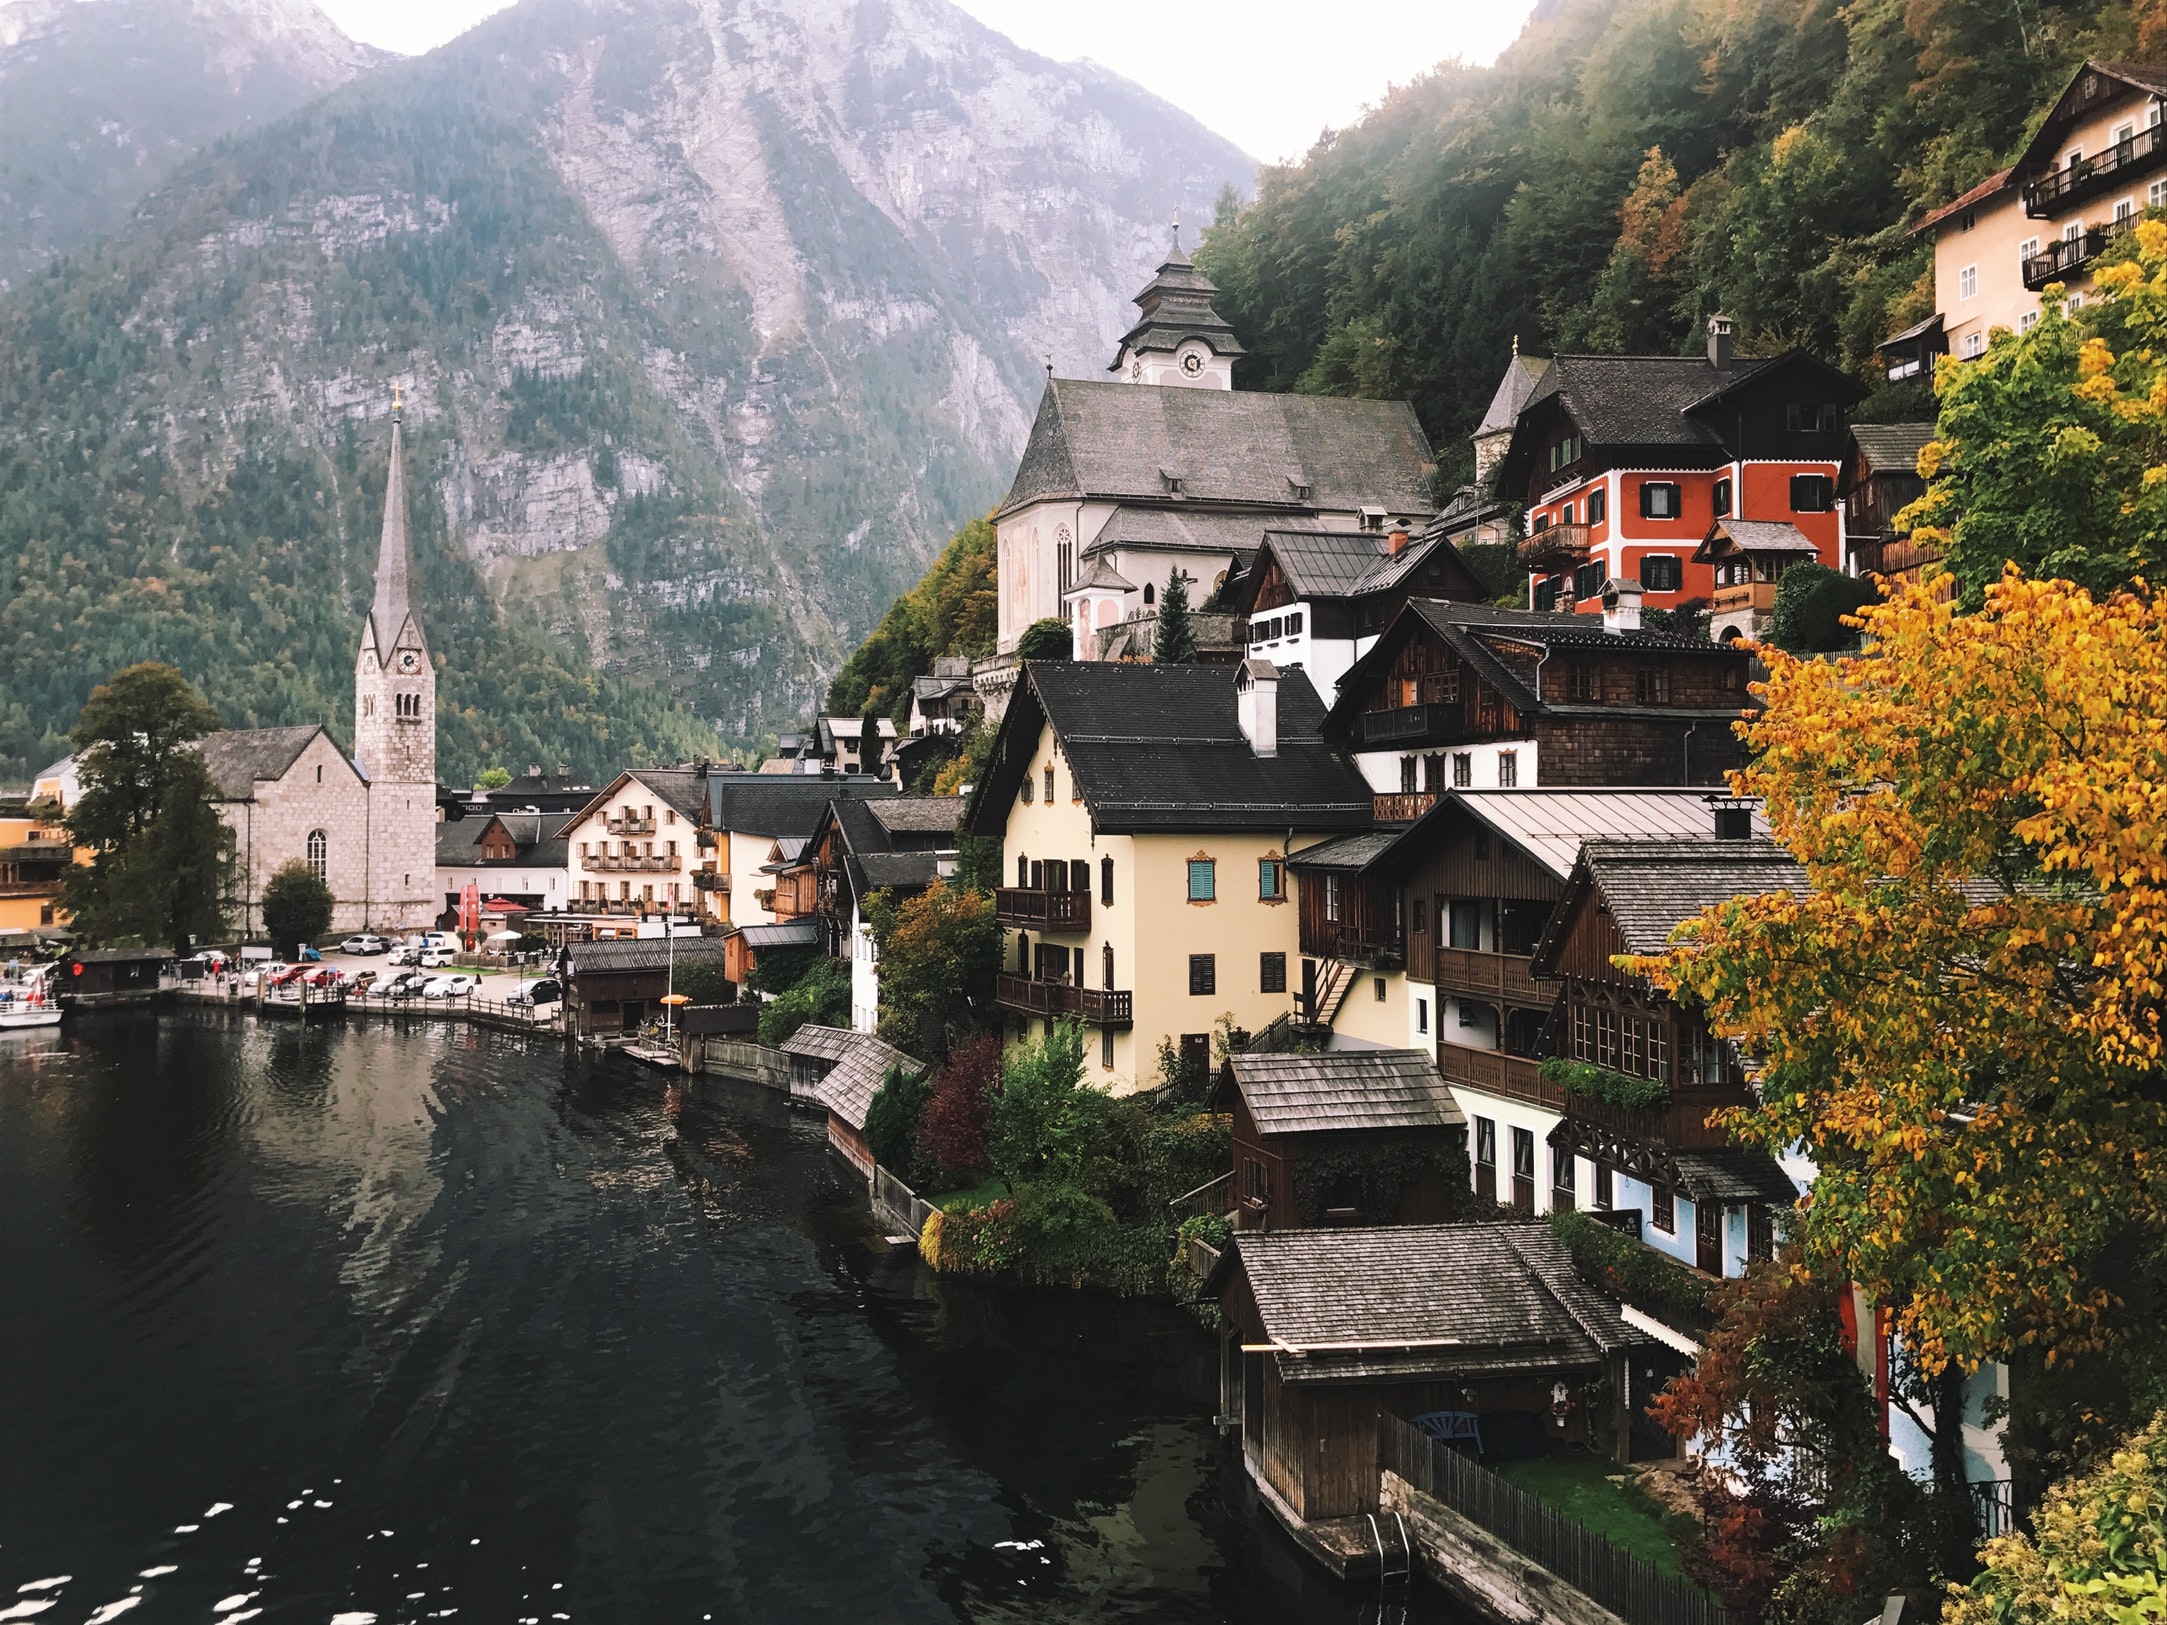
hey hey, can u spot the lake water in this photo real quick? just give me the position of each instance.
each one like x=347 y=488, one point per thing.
x=437 y=1324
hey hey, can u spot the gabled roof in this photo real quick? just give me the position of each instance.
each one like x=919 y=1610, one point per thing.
x=1493 y=640
x=1993 y=184
x=1550 y=826
x=539 y=837
x=2093 y=83
x=1415 y=1301
x=819 y=1043
x=1648 y=888
x=1341 y=564
x=917 y=814
x=641 y=953
x=1102 y=577
x=1889 y=448
x=1773 y=536
x=875 y=871
x=1732 y=1174
x=858 y=1064
x=1126 y=441
x=781 y=934
x=1352 y=853
x=1142 y=529
x=1161 y=748
x=775 y=804
x=684 y=788
x=240 y=758
x=1342 y=1090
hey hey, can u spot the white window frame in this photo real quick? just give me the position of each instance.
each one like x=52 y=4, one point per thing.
x=2027 y=320
x=1967 y=282
x=2124 y=209
x=2027 y=249
x=1973 y=346
x=2155 y=195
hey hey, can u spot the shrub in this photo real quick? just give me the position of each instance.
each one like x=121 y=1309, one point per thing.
x=821 y=996
x=952 y=1127
x=1048 y=639
x=296 y=907
x=1635 y=1271
x=891 y=1123
x=1611 y=1087
x=1811 y=601
x=1045 y=1123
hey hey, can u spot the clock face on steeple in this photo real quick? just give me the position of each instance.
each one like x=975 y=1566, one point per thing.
x=408 y=660
x=1192 y=363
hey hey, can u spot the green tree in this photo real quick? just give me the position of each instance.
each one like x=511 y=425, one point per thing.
x=891 y=1122
x=1811 y=602
x=492 y=778
x=1174 y=644
x=161 y=856
x=296 y=907
x=820 y=996
x=1049 y=639
x=939 y=952
x=2097 y=1554
x=953 y=611
x=1047 y=1125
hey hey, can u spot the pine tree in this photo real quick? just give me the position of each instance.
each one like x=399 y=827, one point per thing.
x=1175 y=642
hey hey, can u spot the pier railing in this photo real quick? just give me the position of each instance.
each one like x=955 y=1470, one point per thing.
x=1630 y=1587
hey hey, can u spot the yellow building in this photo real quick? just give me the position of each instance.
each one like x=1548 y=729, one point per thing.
x=1145 y=813
x=2098 y=161
x=35 y=853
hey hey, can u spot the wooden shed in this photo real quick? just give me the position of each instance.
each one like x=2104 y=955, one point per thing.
x=95 y=977
x=1346 y=1137
x=615 y=986
x=848 y=1068
x=1324 y=1331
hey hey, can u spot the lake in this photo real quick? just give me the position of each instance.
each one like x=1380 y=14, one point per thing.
x=363 y=1323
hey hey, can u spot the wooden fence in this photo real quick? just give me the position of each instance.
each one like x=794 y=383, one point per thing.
x=897 y=1203
x=1633 y=1589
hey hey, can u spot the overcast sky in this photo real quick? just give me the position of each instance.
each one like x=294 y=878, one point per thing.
x=1269 y=75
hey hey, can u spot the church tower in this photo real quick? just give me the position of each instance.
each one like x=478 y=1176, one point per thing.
x=1179 y=339
x=395 y=725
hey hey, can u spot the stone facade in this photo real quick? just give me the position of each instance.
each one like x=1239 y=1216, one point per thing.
x=317 y=810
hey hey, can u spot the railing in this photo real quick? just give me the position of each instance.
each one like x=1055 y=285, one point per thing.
x=1207 y=1199
x=1630 y=1587
x=1403 y=808
x=2055 y=191
x=1046 y=910
x=1405 y=724
x=2062 y=258
x=1683 y=1124
x=630 y=826
x=1356 y=945
x=1995 y=1501
x=708 y=880
x=1514 y=1076
x=1558 y=545
x=657 y=865
x=896 y=1201
x=1496 y=976
x=1101 y=1007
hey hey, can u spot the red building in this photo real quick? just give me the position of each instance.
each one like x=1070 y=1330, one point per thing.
x=1625 y=462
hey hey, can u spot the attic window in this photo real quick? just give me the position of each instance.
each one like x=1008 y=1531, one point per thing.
x=1173 y=481
x=1565 y=452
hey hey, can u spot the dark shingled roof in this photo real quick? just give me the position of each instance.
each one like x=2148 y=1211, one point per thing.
x=1753 y=536
x=1112 y=440
x=239 y=757
x=1431 y=1300
x=1343 y=1089
x=783 y=803
x=1649 y=887
x=1161 y=748
x=858 y=1063
x=642 y=953
x=870 y=871
x=1522 y=377
x=1733 y=1175
x=1890 y=447
x=1174 y=530
x=1353 y=852
x=782 y=934
x=819 y=1043
x=1177 y=305
x=938 y=814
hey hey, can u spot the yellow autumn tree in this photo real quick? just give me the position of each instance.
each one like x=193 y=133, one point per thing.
x=1960 y=1020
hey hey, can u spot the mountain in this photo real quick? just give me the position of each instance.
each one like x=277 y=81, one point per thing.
x=99 y=99
x=1629 y=168
x=715 y=319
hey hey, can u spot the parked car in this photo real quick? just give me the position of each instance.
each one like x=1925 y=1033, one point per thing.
x=547 y=991
x=449 y=987
x=324 y=976
x=210 y=962
x=406 y=985
x=270 y=970
x=439 y=939
x=310 y=955
x=366 y=943
x=290 y=975
x=406 y=953
x=436 y=958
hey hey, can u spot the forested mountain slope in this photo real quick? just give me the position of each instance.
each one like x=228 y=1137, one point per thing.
x=1628 y=168
x=715 y=319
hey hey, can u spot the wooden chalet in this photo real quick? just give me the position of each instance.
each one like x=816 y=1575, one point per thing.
x=742 y=948
x=845 y=1070
x=1326 y=1331
x=1880 y=479
x=1349 y=1137
x=616 y=986
x=1464 y=696
x=1748 y=557
x=1699 y=1197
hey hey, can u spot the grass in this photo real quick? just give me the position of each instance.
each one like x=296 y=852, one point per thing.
x=978 y=1195
x=1601 y=1495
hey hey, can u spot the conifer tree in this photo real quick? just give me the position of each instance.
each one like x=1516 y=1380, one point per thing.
x=1175 y=642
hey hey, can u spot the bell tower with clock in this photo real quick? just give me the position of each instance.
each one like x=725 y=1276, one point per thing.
x=1179 y=339
x=395 y=723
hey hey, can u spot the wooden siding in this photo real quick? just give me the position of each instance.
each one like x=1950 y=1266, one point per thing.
x=1368 y=928
x=1636 y=750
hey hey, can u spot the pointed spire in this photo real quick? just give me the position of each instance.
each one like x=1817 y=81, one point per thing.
x=389 y=612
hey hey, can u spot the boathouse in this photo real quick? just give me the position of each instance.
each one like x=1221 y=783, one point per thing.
x=846 y=1070
x=94 y=977
x=1325 y=1331
x=614 y=987
x=1346 y=1137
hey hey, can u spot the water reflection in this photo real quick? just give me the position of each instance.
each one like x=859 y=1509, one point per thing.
x=397 y=1323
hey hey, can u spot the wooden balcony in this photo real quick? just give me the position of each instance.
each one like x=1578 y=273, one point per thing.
x=1030 y=908
x=1406 y=725
x=2063 y=259
x=1372 y=947
x=632 y=865
x=1681 y=1125
x=1513 y=1076
x=1558 y=548
x=709 y=880
x=1100 y=1007
x=1758 y=596
x=631 y=826
x=1503 y=977
x=2054 y=192
x=1403 y=808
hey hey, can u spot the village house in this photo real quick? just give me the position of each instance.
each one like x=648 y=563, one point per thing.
x=900 y=845
x=1122 y=484
x=759 y=824
x=35 y=856
x=2097 y=160
x=1624 y=462
x=1880 y=479
x=536 y=791
x=1146 y=813
x=1324 y=1332
x=1458 y=696
x=1748 y=557
x=843 y=1069
x=517 y=862
x=1350 y=1137
x=634 y=849
x=618 y=986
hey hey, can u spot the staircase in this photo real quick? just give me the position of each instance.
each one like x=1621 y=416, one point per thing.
x=1333 y=987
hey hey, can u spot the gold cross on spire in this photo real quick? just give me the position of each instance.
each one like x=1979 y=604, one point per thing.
x=398 y=400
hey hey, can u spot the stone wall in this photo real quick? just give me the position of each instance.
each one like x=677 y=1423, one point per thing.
x=321 y=791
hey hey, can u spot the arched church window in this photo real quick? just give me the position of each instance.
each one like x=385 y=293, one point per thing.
x=319 y=854
x=1151 y=593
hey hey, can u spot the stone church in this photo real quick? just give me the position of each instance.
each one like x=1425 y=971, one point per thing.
x=365 y=823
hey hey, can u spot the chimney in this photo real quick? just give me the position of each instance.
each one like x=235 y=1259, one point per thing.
x=564 y=770
x=1621 y=605
x=1734 y=819
x=1256 y=705
x=1397 y=541
x=534 y=770
x=1719 y=341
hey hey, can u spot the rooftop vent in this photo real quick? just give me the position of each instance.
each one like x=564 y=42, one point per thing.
x=1719 y=341
x=1734 y=819
x=1256 y=703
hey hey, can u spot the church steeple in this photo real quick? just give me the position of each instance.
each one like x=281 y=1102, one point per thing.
x=1180 y=338
x=390 y=612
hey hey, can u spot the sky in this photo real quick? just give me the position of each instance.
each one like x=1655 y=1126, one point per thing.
x=1269 y=75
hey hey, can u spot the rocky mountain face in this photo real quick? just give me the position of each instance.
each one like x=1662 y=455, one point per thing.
x=715 y=318
x=99 y=99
